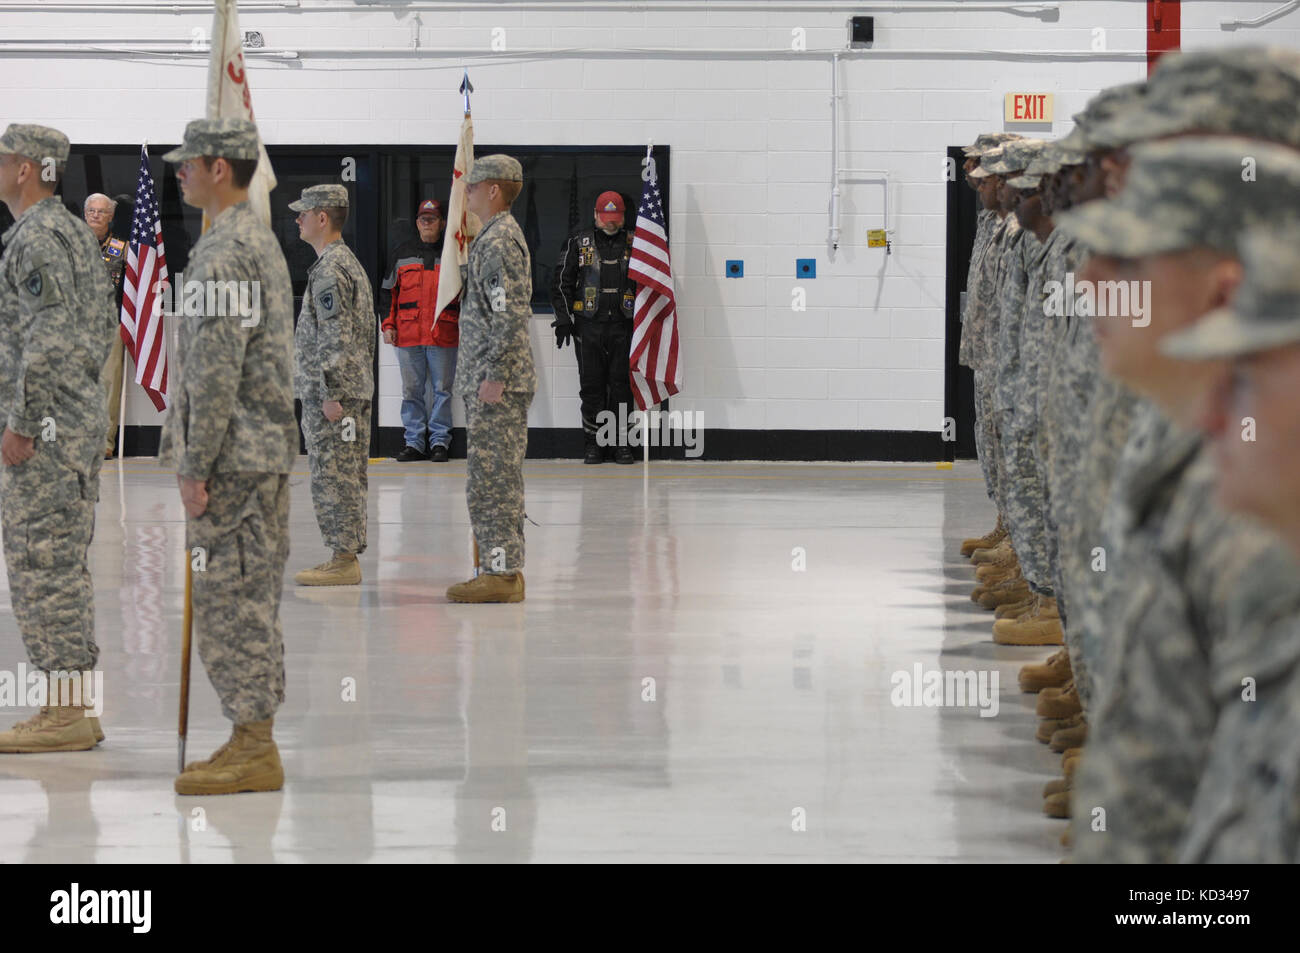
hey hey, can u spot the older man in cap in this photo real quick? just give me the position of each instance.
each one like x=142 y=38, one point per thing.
x=496 y=378
x=58 y=323
x=1193 y=589
x=334 y=346
x=1247 y=807
x=232 y=438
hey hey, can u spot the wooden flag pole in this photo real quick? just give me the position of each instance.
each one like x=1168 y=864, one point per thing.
x=183 y=727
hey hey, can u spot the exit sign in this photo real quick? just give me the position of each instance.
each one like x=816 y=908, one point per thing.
x=1027 y=107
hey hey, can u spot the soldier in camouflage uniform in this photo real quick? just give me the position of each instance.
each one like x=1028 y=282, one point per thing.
x=980 y=299
x=334 y=346
x=1247 y=806
x=232 y=438
x=57 y=327
x=1035 y=622
x=496 y=378
x=986 y=221
x=1193 y=591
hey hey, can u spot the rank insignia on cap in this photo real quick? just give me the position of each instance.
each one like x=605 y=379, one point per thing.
x=610 y=207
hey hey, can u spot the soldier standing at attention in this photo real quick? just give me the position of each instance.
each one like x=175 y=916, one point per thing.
x=55 y=326
x=232 y=438
x=334 y=350
x=98 y=212
x=496 y=378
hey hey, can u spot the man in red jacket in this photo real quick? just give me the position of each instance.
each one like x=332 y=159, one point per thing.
x=426 y=357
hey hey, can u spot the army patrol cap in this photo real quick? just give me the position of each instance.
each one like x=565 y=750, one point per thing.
x=987 y=141
x=1265 y=311
x=1249 y=91
x=35 y=142
x=321 y=196
x=981 y=171
x=219 y=138
x=1189 y=192
x=1091 y=126
x=1025 y=181
x=1016 y=156
x=496 y=166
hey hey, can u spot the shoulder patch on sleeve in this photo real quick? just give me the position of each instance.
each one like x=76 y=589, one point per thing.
x=327 y=301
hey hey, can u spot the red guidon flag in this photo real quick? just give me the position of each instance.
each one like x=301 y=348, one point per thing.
x=228 y=98
x=461 y=225
x=141 y=324
x=656 y=370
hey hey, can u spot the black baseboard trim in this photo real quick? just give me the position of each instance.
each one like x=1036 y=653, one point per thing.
x=907 y=446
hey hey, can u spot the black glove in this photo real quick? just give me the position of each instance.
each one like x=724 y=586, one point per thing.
x=564 y=331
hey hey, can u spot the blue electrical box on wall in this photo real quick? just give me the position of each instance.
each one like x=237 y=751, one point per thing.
x=735 y=268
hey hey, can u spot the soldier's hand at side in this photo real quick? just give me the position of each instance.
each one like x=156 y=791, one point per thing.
x=194 y=495
x=490 y=391
x=333 y=410
x=390 y=335
x=16 y=449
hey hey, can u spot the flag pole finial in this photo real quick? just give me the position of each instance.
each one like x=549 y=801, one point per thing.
x=466 y=87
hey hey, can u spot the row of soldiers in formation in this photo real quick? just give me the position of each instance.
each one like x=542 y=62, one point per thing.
x=230 y=433
x=1132 y=319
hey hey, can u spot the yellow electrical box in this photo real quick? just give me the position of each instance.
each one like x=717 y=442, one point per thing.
x=876 y=238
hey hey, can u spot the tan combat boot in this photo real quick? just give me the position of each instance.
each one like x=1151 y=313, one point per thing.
x=1047 y=727
x=1071 y=735
x=1049 y=608
x=1061 y=705
x=489 y=587
x=342 y=570
x=1015 y=610
x=993 y=553
x=1057 y=786
x=998 y=569
x=54 y=728
x=1013 y=589
x=1028 y=630
x=987 y=541
x=249 y=761
x=1057 y=805
x=1070 y=764
x=1052 y=673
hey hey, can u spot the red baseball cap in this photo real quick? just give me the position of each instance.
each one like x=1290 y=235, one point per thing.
x=609 y=207
x=430 y=205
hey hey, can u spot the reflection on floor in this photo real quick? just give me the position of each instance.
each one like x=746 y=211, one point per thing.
x=703 y=670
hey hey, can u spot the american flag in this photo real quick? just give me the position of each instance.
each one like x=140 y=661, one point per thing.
x=146 y=274
x=655 y=371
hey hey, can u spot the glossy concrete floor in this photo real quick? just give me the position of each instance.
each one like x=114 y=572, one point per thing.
x=703 y=670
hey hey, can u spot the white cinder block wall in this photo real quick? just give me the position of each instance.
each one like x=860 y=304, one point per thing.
x=750 y=137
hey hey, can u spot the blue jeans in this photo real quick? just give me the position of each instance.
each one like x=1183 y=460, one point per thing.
x=427 y=376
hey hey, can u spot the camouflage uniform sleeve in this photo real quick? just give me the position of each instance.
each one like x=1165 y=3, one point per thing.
x=213 y=369
x=501 y=275
x=47 y=312
x=332 y=295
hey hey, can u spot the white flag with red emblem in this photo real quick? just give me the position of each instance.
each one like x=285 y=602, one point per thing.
x=461 y=226
x=228 y=97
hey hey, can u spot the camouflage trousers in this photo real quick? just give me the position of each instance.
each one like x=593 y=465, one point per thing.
x=244 y=534
x=1089 y=538
x=339 y=454
x=47 y=515
x=494 y=486
x=1023 y=496
x=986 y=433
